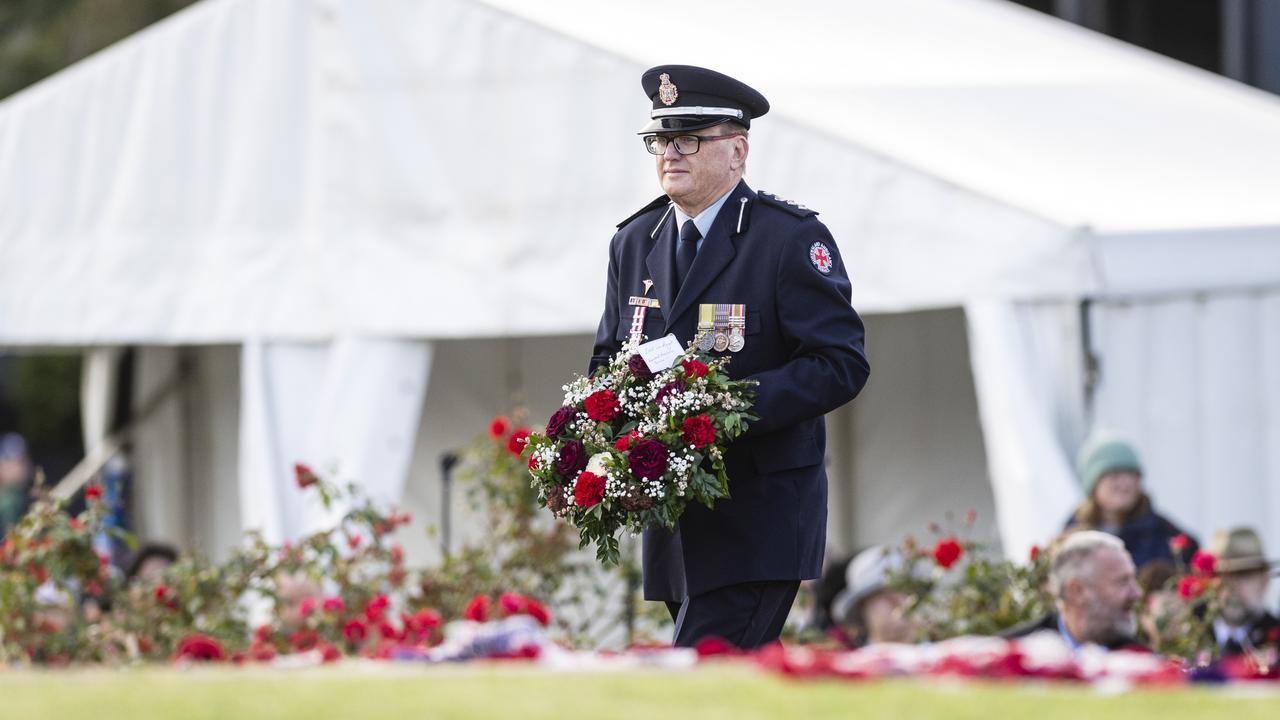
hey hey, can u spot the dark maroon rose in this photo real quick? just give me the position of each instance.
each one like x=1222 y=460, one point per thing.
x=648 y=459
x=572 y=460
x=675 y=386
x=639 y=368
x=559 y=421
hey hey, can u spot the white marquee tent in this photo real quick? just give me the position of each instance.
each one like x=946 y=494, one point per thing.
x=356 y=228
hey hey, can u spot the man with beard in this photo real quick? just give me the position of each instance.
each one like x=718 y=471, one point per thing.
x=759 y=279
x=1244 y=625
x=1095 y=588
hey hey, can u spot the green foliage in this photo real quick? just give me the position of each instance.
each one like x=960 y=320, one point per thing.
x=40 y=37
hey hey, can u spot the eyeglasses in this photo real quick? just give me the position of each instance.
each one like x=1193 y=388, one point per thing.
x=685 y=144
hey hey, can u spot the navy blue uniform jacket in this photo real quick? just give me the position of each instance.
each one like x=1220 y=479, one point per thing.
x=804 y=344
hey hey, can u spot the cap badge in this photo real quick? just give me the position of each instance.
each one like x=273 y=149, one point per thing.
x=820 y=256
x=667 y=91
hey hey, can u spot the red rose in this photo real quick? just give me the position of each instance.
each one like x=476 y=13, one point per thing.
x=423 y=621
x=304 y=476
x=1179 y=543
x=161 y=592
x=1035 y=553
x=74 y=524
x=306 y=606
x=329 y=653
x=388 y=631
x=397 y=554
x=624 y=442
x=648 y=459
x=672 y=388
x=304 y=639
x=601 y=405
x=259 y=652
x=1190 y=587
x=1203 y=563
x=477 y=609
x=535 y=610
x=197 y=647
x=588 y=489
x=497 y=427
x=262 y=634
x=694 y=368
x=533 y=463
x=355 y=631
x=698 y=431
x=560 y=420
x=639 y=368
x=571 y=460
x=511 y=603
x=353 y=540
x=93 y=492
x=947 y=552
x=376 y=607
x=516 y=443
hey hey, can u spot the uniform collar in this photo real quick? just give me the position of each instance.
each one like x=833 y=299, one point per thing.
x=706 y=217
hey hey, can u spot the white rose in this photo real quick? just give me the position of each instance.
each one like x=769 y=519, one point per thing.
x=595 y=465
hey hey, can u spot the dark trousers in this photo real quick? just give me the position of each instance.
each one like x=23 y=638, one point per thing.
x=747 y=615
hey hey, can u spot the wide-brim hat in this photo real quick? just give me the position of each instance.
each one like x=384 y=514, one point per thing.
x=686 y=98
x=1238 y=550
x=865 y=576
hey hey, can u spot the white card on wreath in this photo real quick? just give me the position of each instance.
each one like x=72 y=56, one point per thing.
x=661 y=354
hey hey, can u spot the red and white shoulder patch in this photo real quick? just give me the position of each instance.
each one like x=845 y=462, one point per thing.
x=820 y=256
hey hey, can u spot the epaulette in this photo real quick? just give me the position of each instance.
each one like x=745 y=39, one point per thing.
x=790 y=206
x=658 y=202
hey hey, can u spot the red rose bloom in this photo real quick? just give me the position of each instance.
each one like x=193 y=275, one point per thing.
x=694 y=368
x=601 y=405
x=329 y=653
x=355 y=631
x=262 y=634
x=1035 y=553
x=1179 y=543
x=588 y=490
x=535 y=610
x=1190 y=587
x=1203 y=563
x=200 y=648
x=477 y=609
x=353 y=540
x=397 y=554
x=376 y=607
x=333 y=605
x=516 y=443
x=698 y=431
x=93 y=492
x=511 y=603
x=303 y=640
x=388 y=631
x=947 y=552
x=304 y=476
x=624 y=443
x=306 y=606
x=161 y=592
x=497 y=427
x=533 y=463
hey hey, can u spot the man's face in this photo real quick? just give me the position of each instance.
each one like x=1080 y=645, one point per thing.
x=695 y=181
x=1108 y=595
x=1246 y=595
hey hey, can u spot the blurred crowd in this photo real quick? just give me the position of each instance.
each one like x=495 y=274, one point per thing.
x=1120 y=575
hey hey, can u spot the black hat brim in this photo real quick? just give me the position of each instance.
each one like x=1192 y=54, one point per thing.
x=682 y=123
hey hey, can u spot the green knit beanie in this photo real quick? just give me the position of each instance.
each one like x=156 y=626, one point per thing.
x=1103 y=454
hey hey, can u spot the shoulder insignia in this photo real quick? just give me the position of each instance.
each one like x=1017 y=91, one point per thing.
x=657 y=203
x=790 y=206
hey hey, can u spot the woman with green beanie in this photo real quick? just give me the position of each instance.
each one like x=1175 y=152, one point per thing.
x=1111 y=474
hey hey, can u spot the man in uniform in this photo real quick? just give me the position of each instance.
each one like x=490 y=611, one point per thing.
x=763 y=277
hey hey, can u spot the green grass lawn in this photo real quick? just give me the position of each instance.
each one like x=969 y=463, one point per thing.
x=401 y=692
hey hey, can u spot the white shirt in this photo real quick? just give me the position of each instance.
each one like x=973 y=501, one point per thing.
x=705 y=218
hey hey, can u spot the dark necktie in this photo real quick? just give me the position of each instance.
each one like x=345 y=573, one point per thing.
x=686 y=250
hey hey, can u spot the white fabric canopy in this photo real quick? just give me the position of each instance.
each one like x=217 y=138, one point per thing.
x=305 y=168
x=348 y=409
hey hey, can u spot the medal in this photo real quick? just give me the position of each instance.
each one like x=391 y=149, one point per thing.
x=641 y=305
x=721 y=340
x=704 y=338
x=737 y=327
